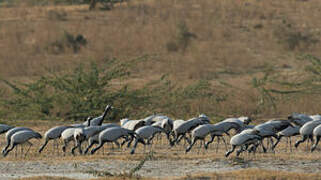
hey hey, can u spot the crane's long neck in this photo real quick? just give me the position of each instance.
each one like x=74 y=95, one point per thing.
x=104 y=115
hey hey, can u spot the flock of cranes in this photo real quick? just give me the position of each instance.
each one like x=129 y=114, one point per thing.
x=247 y=137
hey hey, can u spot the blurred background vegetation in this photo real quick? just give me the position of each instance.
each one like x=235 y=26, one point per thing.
x=58 y=60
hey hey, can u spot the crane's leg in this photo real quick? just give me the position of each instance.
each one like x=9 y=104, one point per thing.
x=304 y=138
x=290 y=144
x=191 y=145
x=210 y=141
x=10 y=149
x=16 y=152
x=130 y=142
x=230 y=151
x=91 y=143
x=21 y=150
x=30 y=144
x=179 y=138
x=43 y=146
x=65 y=146
x=117 y=144
x=218 y=143
x=315 y=144
x=278 y=139
x=287 y=144
x=134 y=147
x=187 y=139
x=101 y=144
x=240 y=150
x=224 y=143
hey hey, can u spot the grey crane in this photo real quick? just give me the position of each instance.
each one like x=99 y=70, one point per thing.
x=98 y=120
x=187 y=126
x=242 y=121
x=177 y=123
x=68 y=134
x=53 y=134
x=112 y=135
x=306 y=131
x=80 y=135
x=4 y=128
x=288 y=133
x=167 y=125
x=22 y=137
x=10 y=133
x=146 y=133
x=215 y=130
x=317 y=134
x=132 y=124
x=200 y=133
x=94 y=139
x=223 y=127
x=301 y=119
x=243 y=140
x=271 y=128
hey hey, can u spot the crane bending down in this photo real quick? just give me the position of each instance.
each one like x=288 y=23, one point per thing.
x=4 y=128
x=148 y=133
x=93 y=137
x=53 y=134
x=10 y=133
x=306 y=131
x=244 y=139
x=112 y=135
x=185 y=127
x=22 y=137
x=80 y=135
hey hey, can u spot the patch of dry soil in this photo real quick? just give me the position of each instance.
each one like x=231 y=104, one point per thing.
x=153 y=168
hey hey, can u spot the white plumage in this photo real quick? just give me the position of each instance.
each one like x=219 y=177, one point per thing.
x=317 y=134
x=132 y=124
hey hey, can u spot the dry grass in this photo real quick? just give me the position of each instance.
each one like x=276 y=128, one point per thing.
x=45 y=178
x=255 y=174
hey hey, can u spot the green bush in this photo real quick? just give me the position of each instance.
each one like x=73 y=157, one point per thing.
x=88 y=88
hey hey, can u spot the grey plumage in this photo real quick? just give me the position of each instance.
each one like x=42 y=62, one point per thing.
x=306 y=131
x=4 y=128
x=22 y=137
x=186 y=127
x=52 y=134
x=10 y=133
x=146 y=133
x=112 y=135
x=243 y=140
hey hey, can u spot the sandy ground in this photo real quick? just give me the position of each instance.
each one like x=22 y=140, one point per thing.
x=152 y=168
x=166 y=162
